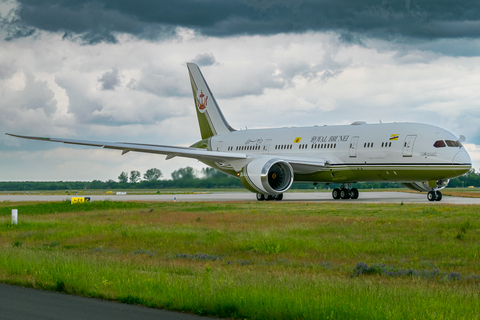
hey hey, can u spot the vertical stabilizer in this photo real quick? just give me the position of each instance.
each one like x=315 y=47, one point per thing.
x=210 y=117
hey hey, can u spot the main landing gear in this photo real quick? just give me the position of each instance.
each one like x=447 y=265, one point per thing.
x=434 y=196
x=345 y=192
x=262 y=197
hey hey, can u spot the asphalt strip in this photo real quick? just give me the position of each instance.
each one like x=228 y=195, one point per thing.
x=18 y=303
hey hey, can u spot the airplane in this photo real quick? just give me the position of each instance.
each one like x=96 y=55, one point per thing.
x=422 y=157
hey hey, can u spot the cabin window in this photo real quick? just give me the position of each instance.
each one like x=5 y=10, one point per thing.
x=365 y=145
x=439 y=144
x=390 y=144
x=451 y=143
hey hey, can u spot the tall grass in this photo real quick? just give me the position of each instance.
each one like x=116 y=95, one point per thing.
x=254 y=260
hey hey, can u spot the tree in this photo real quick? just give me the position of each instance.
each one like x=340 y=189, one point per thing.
x=152 y=174
x=212 y=173
x=183 y=173
x=134 y=176
x=123 y=177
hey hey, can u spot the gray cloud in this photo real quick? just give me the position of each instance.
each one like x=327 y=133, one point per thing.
x=15 y=27
x=206 y=59
x=99 y=20
x=81 y=104
x=110 y=79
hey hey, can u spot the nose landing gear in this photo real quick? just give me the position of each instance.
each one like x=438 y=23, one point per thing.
x=345 y=192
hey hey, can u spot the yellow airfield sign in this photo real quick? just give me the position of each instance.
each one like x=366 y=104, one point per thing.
x=80 y=199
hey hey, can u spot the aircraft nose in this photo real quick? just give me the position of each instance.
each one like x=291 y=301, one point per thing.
x=462 y=158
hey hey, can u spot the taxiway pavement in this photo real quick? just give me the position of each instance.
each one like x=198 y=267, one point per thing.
x=17 y=303
x=365 y=197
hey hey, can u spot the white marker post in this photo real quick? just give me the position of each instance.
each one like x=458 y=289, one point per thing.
x=14 y=216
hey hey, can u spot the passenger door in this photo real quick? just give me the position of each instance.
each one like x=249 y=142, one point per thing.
x=408 y=145
x=353 y=147
x=266 y=146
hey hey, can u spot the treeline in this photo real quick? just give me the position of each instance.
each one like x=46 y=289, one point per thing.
x=187 y=178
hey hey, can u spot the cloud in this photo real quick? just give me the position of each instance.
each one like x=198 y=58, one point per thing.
x=50 y=86
x=110 y=79
x=99 y=20
x=203 y=60
x=15 y=27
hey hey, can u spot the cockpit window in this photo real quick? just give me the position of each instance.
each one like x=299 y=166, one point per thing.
x=452 y=143
x=439 y=144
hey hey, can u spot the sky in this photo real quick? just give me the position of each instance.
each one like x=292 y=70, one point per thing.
x=115 y=70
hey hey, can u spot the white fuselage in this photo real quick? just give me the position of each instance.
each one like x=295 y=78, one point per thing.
x=369 y=152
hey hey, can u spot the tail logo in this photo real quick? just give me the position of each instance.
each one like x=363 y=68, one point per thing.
x=202 y=102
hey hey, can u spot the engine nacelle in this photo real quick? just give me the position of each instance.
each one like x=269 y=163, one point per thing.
x=431 y=185
x=267 y=176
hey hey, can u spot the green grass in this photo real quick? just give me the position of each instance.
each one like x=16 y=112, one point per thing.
x=253 y=260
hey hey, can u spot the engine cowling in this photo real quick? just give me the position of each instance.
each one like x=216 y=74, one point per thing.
x=427 y=185
x=267 y=176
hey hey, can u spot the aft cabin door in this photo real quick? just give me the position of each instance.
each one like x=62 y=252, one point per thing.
x=266 y=146
x=408 y=146
x=353 y=147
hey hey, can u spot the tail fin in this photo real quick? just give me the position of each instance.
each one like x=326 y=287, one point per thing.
x=210 y=117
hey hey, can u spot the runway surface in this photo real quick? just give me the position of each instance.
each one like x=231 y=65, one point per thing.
x=365 y=197
x=17 y=303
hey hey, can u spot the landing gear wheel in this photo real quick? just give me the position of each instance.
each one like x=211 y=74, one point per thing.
x=354 y=193
x=431 y=196
x=279 y=197
x=270 y=197
x=260 y=197
x=345 y=193
x=438 y=196
x=336 y=193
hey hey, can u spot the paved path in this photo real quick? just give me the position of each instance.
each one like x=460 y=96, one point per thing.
x=365 y=197
x=17 y=303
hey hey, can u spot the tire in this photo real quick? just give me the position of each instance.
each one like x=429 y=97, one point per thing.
x=354 y=193
x=279 y=197
x=270 y=197
x=336 y=193
x=431 y=196
x=260 y=197
x=438 y=196
x=345 y=193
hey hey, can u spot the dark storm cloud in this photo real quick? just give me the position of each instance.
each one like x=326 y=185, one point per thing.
x=99 y=20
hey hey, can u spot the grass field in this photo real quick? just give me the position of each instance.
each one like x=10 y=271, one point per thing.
x=268 y=260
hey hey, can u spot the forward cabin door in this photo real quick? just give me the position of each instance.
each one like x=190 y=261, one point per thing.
x=219 y=145
x=353 y=147
x=266 y=146
x=408 y=145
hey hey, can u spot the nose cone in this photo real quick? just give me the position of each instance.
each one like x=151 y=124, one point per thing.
x=462 y=159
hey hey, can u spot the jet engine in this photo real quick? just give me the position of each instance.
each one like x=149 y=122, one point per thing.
x=267 y=176
x=432 y=185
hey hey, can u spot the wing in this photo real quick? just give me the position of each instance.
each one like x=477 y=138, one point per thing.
x=235 y=160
